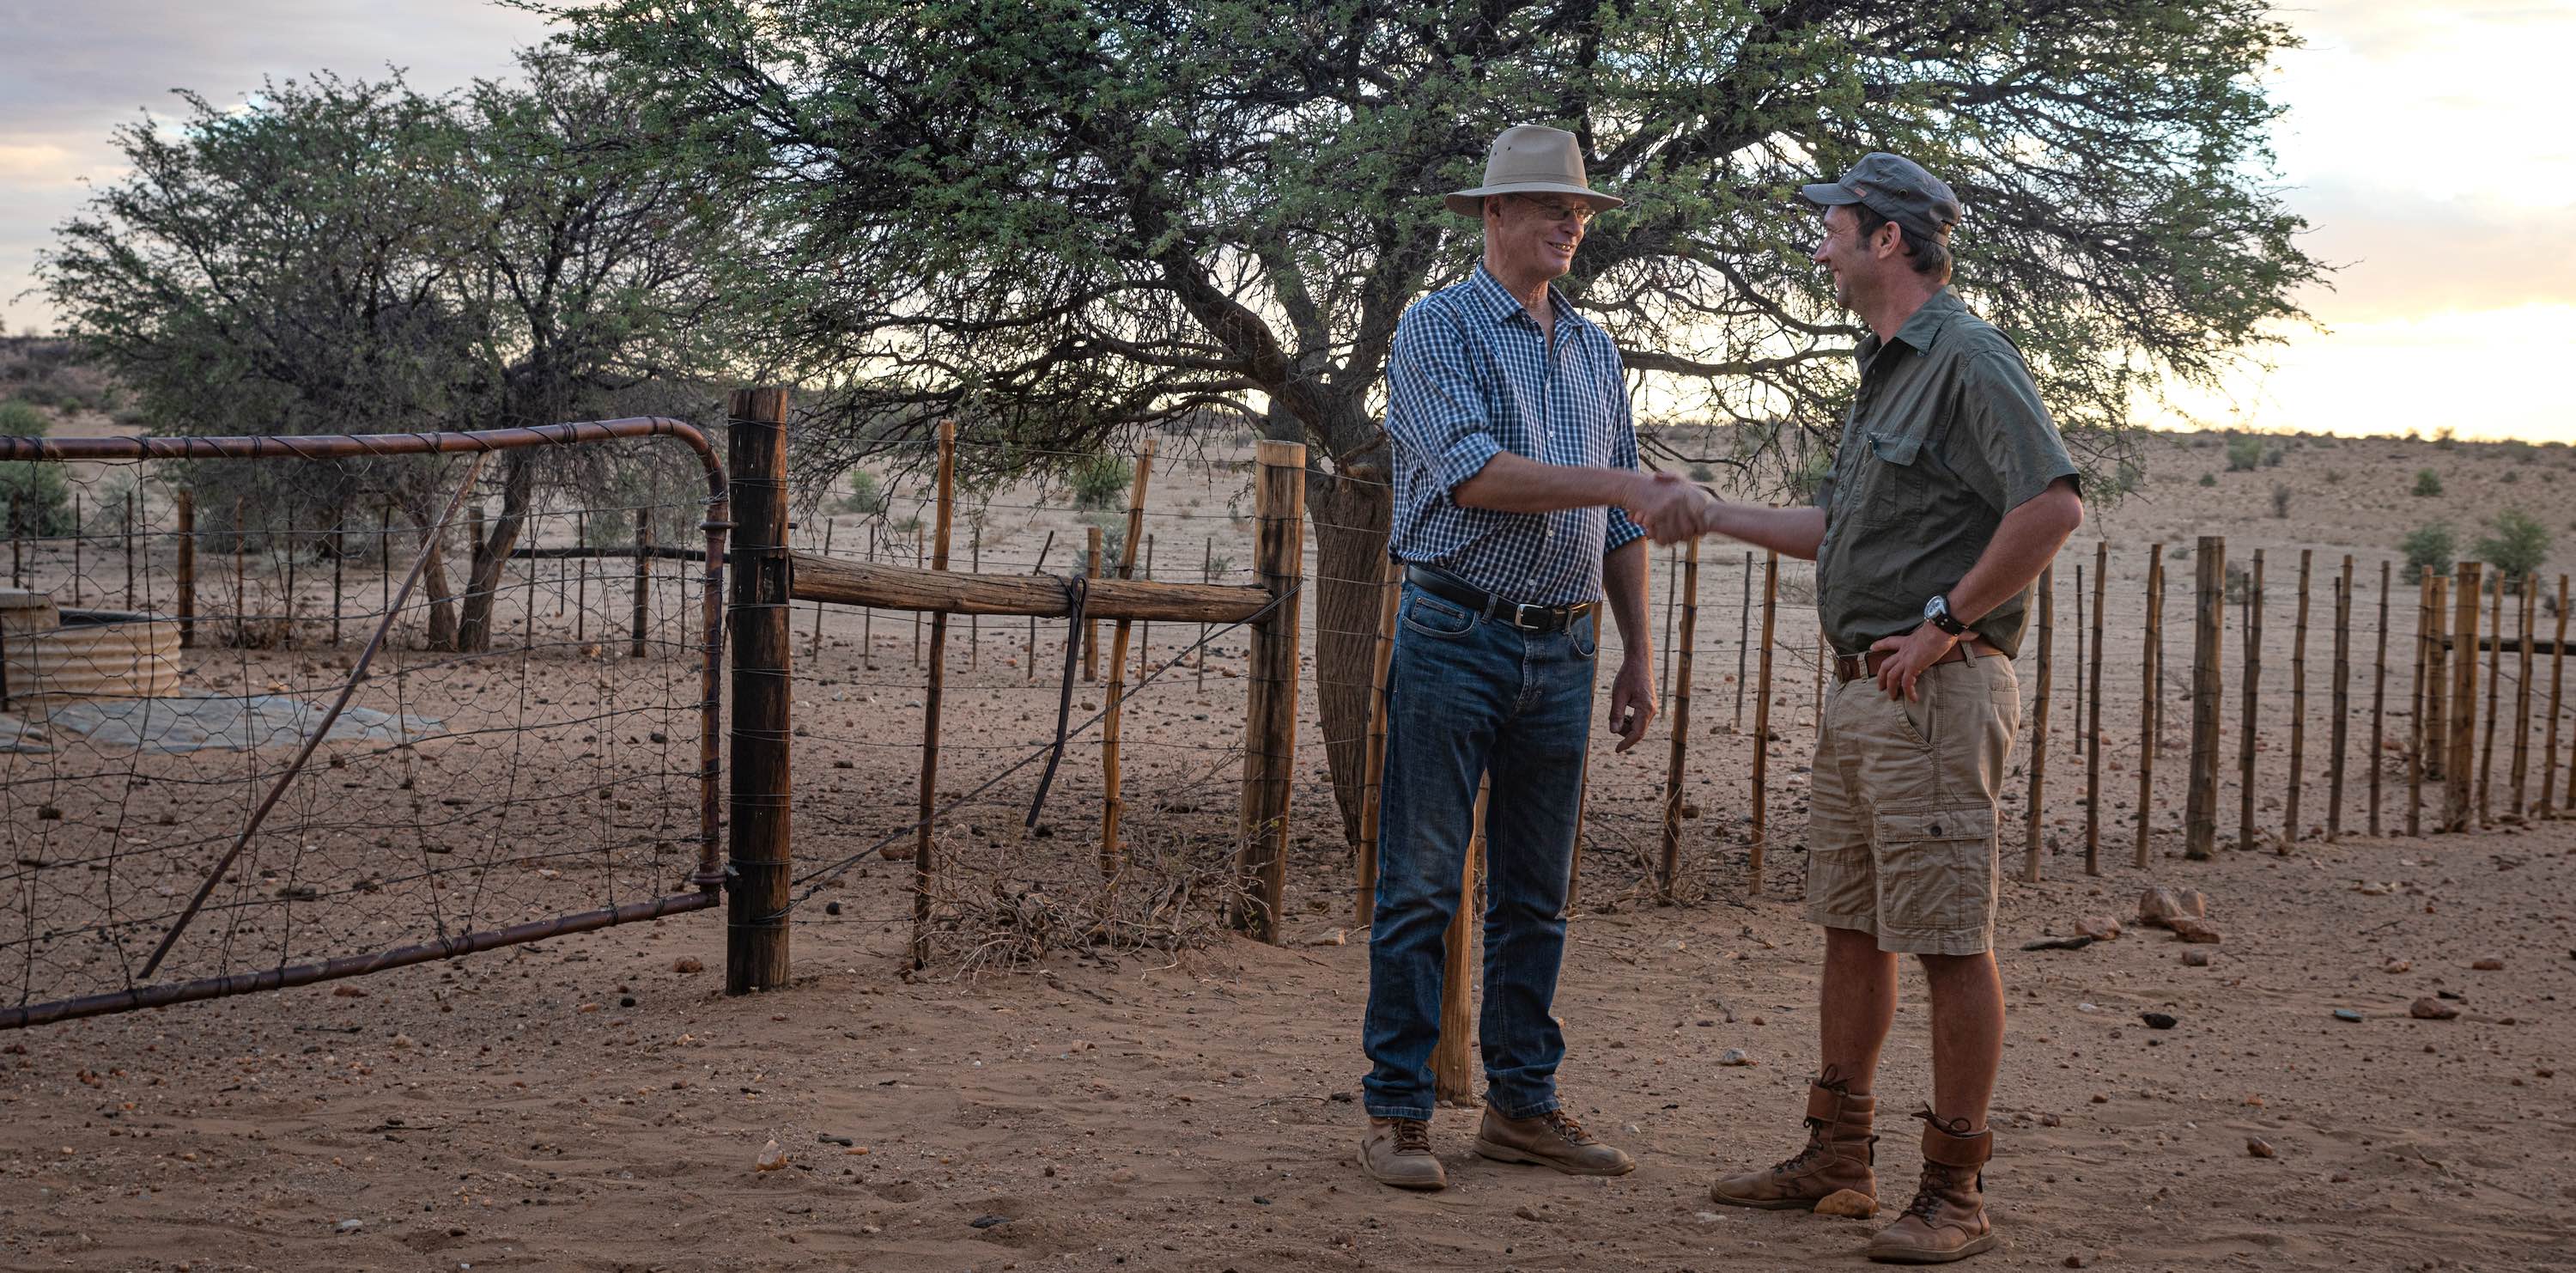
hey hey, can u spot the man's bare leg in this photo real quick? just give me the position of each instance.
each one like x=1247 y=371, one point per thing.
x=1858 y=1006
x=1967 y=1034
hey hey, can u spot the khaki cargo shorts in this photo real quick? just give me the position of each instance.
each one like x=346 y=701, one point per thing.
x=1902 y=840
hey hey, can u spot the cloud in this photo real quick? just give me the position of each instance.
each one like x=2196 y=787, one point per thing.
x=2407 y=251
x=78 y=70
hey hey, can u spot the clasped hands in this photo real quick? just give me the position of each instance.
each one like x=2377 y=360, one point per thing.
x=1670 y=509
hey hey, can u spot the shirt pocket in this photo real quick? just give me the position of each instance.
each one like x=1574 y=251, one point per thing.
x=1896 y=480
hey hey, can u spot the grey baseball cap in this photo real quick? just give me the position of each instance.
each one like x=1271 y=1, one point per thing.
x=1896 y=188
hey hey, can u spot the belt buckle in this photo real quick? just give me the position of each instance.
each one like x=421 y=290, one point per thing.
x=1520 y=608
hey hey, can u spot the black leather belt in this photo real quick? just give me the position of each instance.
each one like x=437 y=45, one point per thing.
x=1485 y=605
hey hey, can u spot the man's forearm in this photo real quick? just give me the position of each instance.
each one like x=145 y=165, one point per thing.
x=1623 y=579
x=1512 y=483
x=2025 y=542
x=1791 y=532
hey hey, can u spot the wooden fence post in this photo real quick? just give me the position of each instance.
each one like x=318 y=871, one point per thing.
x=2156 y=636
x=1270 y=696
x=1029 y=654
x=2416 y=704
x=1111 y=803
x=2298 y=708
x=2251 y=701
x=1452 y=1078
x=2548 y=806
x=1373 y=764
x=1207 y=574
x=2209 y=622
x=640 y=621
x=1744 y=643
x=1145 y=628
x=2092 y=723
x=931 y=697
x=2495 y=682
x=1762 y=719
x=2379 y=700
x=974 y=564
x=129 y=563
x=2436 y=725
x=1672 y=591
x=2341 y=733
x=1669 y=865
x=2079 y=658
x=919 y=556
x=1090 y=628
x=2522 y=699
x=2457 y=810
x=187 y=605
x=2150 y=677
x=757 y=847
x=339 y=555
x=2038 y=720
x=829 y=525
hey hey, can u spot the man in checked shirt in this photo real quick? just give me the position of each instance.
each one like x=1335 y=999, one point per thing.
x=1519 y=507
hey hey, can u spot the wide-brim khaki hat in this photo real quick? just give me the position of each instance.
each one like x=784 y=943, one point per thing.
x=1531 y=159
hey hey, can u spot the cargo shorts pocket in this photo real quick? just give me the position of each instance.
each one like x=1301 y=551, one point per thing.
x=1936 y=867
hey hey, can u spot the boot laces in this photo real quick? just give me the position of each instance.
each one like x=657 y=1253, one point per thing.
x=1929 y=1195
x=1565 y=1126
x=1412 y=1136
x=1815 y=1145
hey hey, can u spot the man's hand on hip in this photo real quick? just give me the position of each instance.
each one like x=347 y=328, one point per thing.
x=1915 y=652
x=1632 y=702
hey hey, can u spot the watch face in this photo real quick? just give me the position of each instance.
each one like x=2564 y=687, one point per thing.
x=1934 y=607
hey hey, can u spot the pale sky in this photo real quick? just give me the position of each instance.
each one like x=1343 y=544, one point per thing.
x=2422 y=141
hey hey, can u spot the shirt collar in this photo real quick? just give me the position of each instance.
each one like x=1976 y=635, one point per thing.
x=1922 y=328
x=1500 y=304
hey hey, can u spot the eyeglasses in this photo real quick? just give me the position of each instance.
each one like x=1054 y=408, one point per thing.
x=1578 y=213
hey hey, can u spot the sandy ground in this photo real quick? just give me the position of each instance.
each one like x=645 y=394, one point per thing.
x=1191 y=1110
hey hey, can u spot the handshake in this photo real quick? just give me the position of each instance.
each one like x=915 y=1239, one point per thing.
x=1669 y=509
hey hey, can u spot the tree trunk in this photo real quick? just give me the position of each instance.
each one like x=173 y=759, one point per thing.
x=433 y=570
x=1350 y=518
x=483 y=583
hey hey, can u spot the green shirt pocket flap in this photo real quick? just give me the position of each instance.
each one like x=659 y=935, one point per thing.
x=1974 y=823
x=1895 y=449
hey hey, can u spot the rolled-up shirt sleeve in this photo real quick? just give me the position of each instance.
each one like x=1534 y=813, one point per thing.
x=1432 y=392
x=1623 y=455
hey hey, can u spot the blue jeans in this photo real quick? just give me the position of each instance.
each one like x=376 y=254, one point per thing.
x=1467 y=698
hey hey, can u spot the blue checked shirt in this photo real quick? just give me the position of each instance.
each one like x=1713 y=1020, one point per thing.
x=1470 y=377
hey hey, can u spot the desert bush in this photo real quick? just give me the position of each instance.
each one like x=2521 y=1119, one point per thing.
x=1703 y=473
x=2427 y=483
x=2272 y=458
x=2429 y=546
x=2280 y=499
x=2334 y=477
x=865 y=497
x=37 y=501
x=2511 y=476
x=2209 y=479
x=2446 y=437
x=2244 y=451
x=2518 y=547
x=1100 y=481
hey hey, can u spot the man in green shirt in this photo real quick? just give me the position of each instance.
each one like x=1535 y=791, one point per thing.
x=1950 y=492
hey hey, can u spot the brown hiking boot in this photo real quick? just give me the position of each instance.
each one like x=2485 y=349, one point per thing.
x=1839 y=1150
x=1397 y=1152
x=1947 y=1219
x=1552 y=1139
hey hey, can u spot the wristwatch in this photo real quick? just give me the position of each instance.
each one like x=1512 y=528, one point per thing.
x=1937 y=613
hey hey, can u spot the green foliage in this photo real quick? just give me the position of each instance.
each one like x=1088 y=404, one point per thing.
x=2281 y=499
x=2334 y=477
x=2209 y=479
x=2428 y=546
x=865 y=497
x=2244 y=451
x=1063 y=219
x=2272 y=458
x=2518 y=546
x=36 y=500
x=1702 y=473
x=2427 y=483
x=1101 y=481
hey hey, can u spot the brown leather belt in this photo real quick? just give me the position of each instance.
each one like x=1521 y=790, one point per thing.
x=1852 y=667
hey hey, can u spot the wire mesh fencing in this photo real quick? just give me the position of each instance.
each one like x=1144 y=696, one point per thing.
x=280 y=710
